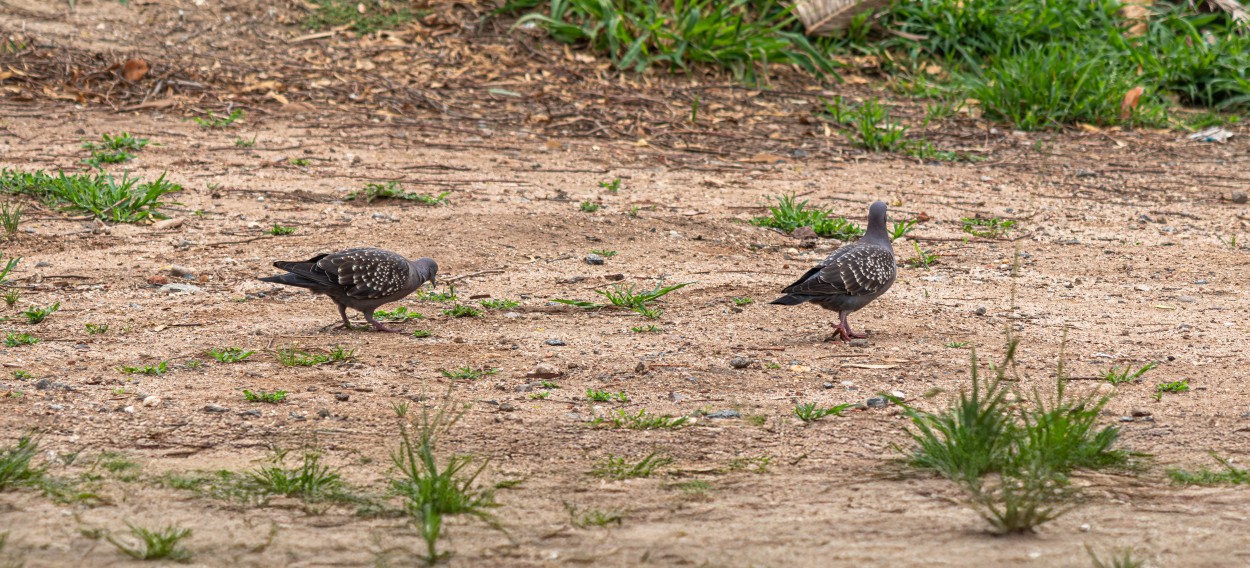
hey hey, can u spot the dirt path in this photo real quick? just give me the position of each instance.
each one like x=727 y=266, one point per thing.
x=1123 y=244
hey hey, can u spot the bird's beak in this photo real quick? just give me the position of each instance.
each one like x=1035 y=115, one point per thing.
x=434 y=282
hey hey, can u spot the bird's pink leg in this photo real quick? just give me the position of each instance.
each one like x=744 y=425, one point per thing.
x=377 y=325
x=347 y=324
x=845 y=328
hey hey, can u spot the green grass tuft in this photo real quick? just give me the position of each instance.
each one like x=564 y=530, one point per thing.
x=789 y=214
x=230 y=354
x=155 y=544
x=274 y=397
x=615 y=467
x=362 y=16
x=158 y=369
x=99 y=195
x=811 y=412
x=16 y=339
x=37 y=315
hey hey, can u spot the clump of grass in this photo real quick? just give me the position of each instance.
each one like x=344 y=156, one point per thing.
x=991 y=228
x=16 y=339
x=430 y=490
x=628 y=297
x=743 y=301
x=615 y=467
x=400 y=314
x=292 y=357
x=97 y=328
x=467 y=373
x=588 y=207
x=612 y=186
x=37 y=315
x=596 y=395
x=692 y=487
x=1116 y=376
x=391 y=190
x=582 y=518
x=875 y=130
x=363 y=17
x=155 y=544
x=641 y=421
x=99 y=194
x=499 y=304
x=1119 y=559
x=605 y=253
x=740 y=36
x=789 y=214
x=812 y=412
x=1230 y=475
x=274 y=397
x=923 y=259
x=244 y=143
x=431 y=296
x=1170 y=387
x=229 y=354
x=462 y=311
x=278 y=230
x=10 y=219
x=753 y=464
x=646 y=329
x=113 y=149
x=957 y=344
x=9 y=265
x=419 y=333
x=310 y=481
x=15 y=466
x=1013 y=461
x=21 y=375
x=159 y=368
x=541 y=395
x=213 y=121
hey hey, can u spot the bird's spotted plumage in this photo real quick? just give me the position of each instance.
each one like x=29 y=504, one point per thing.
x=852 y=276
x=359 y=278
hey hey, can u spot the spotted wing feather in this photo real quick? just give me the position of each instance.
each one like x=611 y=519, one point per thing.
x=853 y=271
x=367 y=274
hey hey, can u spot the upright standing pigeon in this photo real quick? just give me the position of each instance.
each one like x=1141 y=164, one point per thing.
x=851 y=276
x=360 y=278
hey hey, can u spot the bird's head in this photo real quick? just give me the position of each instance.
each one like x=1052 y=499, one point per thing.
x=876 y=218
x=427 y=269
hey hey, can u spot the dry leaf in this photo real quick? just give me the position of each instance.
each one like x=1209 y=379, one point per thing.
x=1129 y=104
x=275 y=96
x=854 y=80
x=1088 y=127
x=134 y=69
x=764 y=158
x=167 y=224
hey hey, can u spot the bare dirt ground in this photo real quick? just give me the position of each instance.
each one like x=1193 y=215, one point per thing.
x=1122 y=239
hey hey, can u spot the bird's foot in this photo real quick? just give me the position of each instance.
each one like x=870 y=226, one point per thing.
x=377 y=326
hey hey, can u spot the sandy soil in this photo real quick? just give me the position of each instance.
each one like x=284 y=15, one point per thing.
x=1122 y=243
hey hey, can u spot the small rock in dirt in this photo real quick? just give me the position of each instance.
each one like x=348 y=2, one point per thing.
x=1086 y=173
x=1126 y=419
x=44 y=384
x=1142 y=288
x=323 y=413
x=1139 y=412
x=740 y=362
x=181 y=271
x=555 y=342
x=676 y=397
x=181 y=289
x=798 y=153
x=167 y=224
x=527 y=387
x=43 y=264
x=129 y=410
x=544 y=371
x=640 y=367
x=152 y=401
x=214 y=408
x=693 y=380
x=979 y=311
x=827 y=385
x=725 y=414
x=877 y=402
x=1239 y=197
x=1186 y=299
x=56 y=406
x=295 y=416
x=804 y=233
x=158 y=280
x=342 y=396
x=860 y=342
x=594 y=259
x=252 y=412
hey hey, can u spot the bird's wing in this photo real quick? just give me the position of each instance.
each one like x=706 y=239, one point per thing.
x=853 y=271
x=307 y=269
x=366 y=274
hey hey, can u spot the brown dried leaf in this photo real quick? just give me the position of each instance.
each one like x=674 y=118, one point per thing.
x=1129 y=104
x=134 y=69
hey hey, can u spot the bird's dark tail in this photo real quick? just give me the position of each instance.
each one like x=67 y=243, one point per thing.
x=790 y=300
x=293 y=280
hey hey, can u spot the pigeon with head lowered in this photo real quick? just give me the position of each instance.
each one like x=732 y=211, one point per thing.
x=362 y=279
x=851 y=276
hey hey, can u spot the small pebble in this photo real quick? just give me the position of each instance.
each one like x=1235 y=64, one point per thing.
x=181 y=271
x=860 y=342
x=181 y=289
x=594 y=259
x=676 y=397
x=43 y=264
x=252 y=412
x=214 y=408
x=1139 y=412
x=555 y=342
x=725 y=414
x=323 y=413
x=827 y=385
x=1239 y=197
x=342 y=396
x=1086 y=174
x=979 y=311
x=1126 y=419
x=740 y=362
x=56 y=406
x=152 y=401
x=1085 y=527
x=129 y=410
x=295 y=415
x=1186 y=299
x=877 y=402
